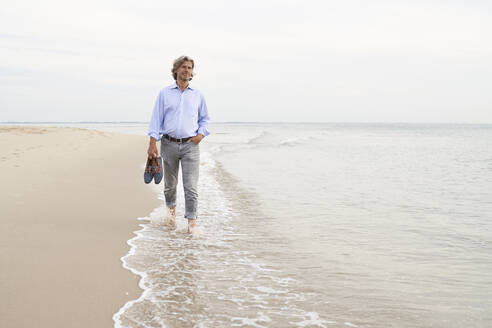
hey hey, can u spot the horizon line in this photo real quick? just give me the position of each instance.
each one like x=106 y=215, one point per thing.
x=243 y=122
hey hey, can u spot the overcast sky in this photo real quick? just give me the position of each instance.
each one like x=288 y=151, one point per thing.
x=285 y=60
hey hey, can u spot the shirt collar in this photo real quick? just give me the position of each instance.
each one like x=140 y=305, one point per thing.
x=175 y=86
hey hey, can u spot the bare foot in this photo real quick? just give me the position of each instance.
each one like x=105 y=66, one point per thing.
x=191 y=225
x=172 y=216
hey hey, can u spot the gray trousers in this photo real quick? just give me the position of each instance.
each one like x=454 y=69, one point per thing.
x=188 y=154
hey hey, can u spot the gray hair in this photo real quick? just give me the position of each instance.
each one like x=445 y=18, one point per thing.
x=177 y=64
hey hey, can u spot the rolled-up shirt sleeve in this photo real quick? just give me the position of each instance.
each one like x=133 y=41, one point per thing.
x=203 y=118
x=156 y=119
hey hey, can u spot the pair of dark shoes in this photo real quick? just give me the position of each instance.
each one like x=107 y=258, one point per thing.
x=153 y=170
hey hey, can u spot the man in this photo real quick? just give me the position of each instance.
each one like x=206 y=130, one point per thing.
x=180 y=115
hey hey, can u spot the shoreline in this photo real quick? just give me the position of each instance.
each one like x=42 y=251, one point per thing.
x=71 y=201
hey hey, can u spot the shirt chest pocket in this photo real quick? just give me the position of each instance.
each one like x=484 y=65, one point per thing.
x=190 y=107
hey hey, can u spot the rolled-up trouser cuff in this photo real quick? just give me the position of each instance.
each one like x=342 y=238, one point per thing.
x=191 y=216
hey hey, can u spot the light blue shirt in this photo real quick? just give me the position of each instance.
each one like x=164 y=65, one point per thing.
x=179 y=114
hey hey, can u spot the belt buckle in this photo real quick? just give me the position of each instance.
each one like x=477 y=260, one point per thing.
x=179 y=140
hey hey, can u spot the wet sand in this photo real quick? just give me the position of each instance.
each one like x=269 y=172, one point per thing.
x=70 y=201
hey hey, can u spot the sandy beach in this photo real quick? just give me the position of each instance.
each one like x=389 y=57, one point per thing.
x=70 y=201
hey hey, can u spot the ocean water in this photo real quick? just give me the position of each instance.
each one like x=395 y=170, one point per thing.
x=324 y=225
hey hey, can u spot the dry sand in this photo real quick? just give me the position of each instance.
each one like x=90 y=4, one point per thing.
x=70 y=200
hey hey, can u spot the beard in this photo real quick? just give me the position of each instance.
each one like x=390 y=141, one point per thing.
x=184 y=77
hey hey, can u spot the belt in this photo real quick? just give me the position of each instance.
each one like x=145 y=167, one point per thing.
x=179 y=140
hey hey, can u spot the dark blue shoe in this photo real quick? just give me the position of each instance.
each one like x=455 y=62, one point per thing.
x=148 y=175
x=158 y=170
